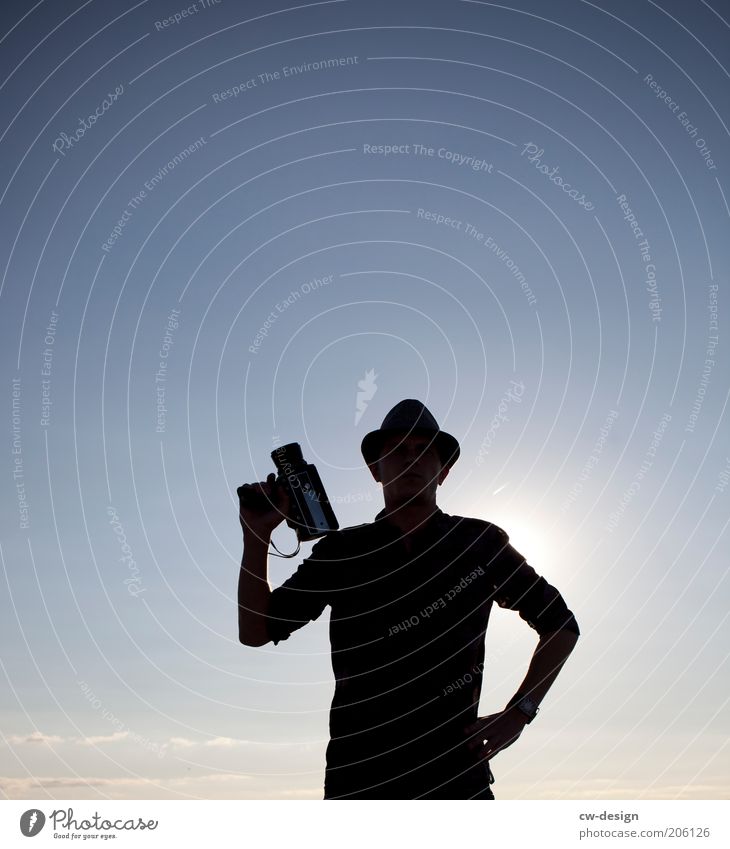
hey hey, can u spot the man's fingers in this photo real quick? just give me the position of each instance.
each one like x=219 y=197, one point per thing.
x=489 y=735
x=476 y=735
x=495 y=744
x=484 y=729
x=483 y=750
x=262 y=487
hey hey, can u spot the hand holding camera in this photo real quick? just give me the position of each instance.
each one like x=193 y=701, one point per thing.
x=262 y=506
x=296 y=494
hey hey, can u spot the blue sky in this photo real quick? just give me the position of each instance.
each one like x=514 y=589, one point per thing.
x=217 y=226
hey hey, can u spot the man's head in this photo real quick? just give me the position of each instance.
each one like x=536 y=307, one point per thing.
x=409 y=440
x=409 y=468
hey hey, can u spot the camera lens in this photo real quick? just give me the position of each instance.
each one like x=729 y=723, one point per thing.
x=287 y=458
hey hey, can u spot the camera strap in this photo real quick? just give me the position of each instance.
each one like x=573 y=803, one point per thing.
x=293 y=554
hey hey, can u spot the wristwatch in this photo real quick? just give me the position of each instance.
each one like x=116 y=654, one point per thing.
x=525 y=704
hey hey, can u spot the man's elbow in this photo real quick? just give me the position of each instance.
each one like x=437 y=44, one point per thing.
x=565 y=637
x=568 y=629
x=569 y=638
x=254 y=637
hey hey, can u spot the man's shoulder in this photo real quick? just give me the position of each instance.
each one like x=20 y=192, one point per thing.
x=341 y=539
x=350 y=534
x=482 y=528
x=463 y=528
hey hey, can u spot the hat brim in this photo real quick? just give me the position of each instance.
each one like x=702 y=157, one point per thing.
x=446 y=445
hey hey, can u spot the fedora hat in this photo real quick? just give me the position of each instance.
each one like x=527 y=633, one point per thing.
x=410 y=416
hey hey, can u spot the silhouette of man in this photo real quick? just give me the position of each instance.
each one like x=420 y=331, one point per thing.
x=410 y=596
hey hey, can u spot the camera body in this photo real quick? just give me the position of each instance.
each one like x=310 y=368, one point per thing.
x=310 y=515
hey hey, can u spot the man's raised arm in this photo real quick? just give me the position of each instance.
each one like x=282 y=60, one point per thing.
x=254 y=591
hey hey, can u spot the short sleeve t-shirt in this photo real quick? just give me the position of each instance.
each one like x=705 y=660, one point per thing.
x=407 y=634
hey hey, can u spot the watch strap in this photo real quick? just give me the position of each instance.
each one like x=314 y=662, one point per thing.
x=525 y=705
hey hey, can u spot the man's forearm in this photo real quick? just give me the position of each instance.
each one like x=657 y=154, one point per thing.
x=253 y=591
x=551 y=653
x=490 y=734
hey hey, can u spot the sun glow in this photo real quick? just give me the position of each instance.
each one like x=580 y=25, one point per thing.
x=530 y=540
x=533 y=540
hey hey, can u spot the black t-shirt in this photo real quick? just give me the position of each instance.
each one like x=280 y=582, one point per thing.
x=407 y=637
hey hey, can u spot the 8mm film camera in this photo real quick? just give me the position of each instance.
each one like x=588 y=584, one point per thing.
x=311 y=515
